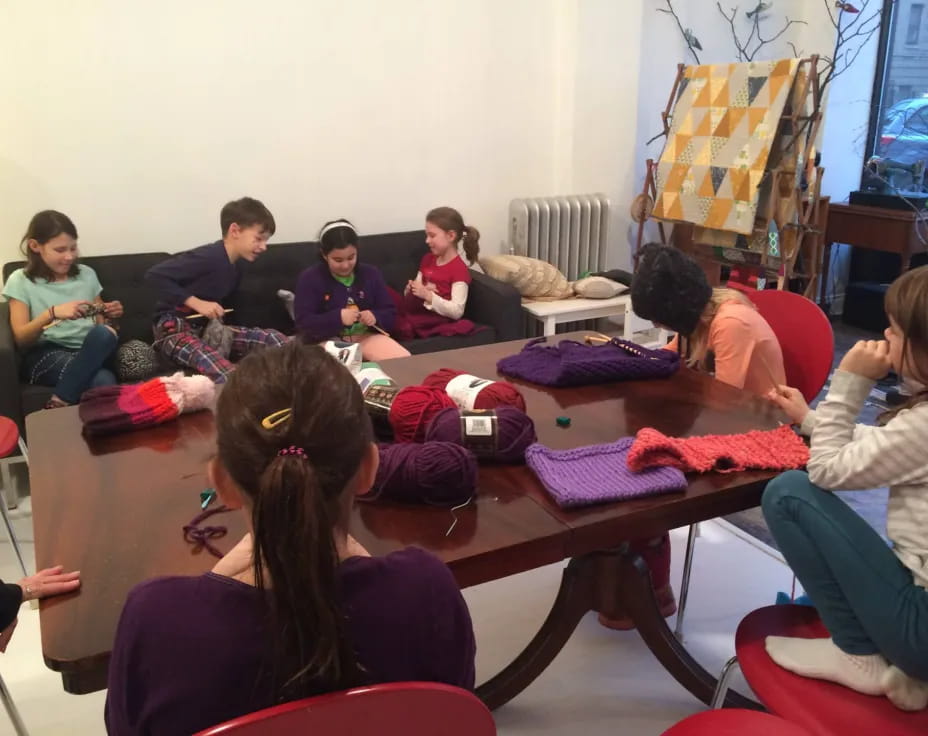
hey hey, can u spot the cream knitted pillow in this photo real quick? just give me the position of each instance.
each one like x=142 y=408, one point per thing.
x=532 y=278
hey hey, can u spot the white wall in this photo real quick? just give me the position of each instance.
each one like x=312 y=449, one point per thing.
x=141 y=119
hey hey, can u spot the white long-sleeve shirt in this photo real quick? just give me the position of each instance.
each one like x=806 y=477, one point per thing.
x=848 y=456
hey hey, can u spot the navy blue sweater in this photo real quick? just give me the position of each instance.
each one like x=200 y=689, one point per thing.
x=320 y=298
x=205 y=272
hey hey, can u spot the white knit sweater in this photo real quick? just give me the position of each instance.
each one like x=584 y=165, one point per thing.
x=848 y=457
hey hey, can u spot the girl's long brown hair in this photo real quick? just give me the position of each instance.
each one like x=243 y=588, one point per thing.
x=44 y=226
x=906 y=304
x=298 y=502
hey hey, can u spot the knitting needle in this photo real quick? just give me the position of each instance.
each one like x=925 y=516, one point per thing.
x=596 y=337
x=197 y=316
x=773 y=378
x=381 y=331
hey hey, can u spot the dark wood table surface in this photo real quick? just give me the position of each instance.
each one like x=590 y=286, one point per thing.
x=115 y=507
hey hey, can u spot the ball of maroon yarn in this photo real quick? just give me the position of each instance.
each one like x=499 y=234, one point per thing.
x=436 y=473
x=516 y=431
x=413 y=408
x=498 y=393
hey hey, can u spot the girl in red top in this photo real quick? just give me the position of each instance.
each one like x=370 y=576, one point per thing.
x=441 y=286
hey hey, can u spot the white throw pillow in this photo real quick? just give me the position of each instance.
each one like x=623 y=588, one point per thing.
x=598 y=287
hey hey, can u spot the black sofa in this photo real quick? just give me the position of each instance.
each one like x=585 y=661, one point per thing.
x=494 y=305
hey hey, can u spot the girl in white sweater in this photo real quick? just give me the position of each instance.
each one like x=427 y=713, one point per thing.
x=872 y=598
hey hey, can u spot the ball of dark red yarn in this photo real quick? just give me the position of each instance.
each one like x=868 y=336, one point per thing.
x=516 y=432
x=497 y=393
x=435 y=473
x=412 y=410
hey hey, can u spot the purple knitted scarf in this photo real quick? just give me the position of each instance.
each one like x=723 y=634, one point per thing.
x=571 y=363
x=598 y=474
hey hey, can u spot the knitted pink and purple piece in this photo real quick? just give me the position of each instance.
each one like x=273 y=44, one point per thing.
x=571 y=363
x=111 y=409
x=598 y=474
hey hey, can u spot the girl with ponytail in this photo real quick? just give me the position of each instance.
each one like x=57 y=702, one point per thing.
x=441 y=286
x=298 y=607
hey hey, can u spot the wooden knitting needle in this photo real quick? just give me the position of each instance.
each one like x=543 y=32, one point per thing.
x=773 y=378
x=197 y=316
x=596 y=337
x=381 y=330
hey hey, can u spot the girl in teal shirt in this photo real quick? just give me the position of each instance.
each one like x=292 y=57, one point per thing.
x=50 y=300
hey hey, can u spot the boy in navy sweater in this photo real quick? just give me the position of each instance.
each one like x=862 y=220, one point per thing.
x=196 y=282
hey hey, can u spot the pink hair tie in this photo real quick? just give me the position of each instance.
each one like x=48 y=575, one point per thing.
x=292 y=450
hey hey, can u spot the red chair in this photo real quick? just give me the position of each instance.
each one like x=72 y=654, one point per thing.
x=822 y=708
x=805 y=337
x=808 y=346
x=734 y=722
x=9 y=441
x=395 y=709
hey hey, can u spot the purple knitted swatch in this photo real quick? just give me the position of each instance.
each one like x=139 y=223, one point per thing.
x=571 y=363
x=598 y=474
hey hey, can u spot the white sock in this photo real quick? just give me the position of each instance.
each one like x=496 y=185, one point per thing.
x=905 y=692
x=823 y=660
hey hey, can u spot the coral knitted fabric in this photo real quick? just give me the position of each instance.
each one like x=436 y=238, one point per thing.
x=775 y=449
x=571 y=363
x=597 y=474
x=110 y=409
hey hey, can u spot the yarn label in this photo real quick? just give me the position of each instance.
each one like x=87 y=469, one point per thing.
x=480 y=431
x=378 y=399
x=465 y=388
x=346 y=353
x=368 y=377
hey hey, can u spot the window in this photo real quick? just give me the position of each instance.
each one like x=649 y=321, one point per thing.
x=899 y=118
x=915 y=23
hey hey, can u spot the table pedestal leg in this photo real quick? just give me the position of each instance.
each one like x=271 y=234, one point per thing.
x=614 y=583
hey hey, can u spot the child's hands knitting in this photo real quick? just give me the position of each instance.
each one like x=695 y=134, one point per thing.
x=349 y=317
x=70 y=310
x=868 y=358
x=367 y=318
x=790 y=401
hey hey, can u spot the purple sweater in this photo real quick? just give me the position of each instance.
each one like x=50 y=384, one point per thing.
x=190 y=651
x=319 y=299
x=205 y=272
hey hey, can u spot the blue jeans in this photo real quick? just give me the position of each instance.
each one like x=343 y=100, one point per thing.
x=865 y=596
x=71 y=372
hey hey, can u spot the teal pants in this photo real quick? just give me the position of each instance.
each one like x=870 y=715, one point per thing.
x=865 y=596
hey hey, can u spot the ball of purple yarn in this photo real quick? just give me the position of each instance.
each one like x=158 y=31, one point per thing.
x=435 y=473
x=516 y=433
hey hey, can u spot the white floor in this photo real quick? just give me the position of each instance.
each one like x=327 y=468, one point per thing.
x=603 y=682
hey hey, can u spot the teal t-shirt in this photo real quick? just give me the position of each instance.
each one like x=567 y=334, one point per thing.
x=40 y=294
x=357 y=328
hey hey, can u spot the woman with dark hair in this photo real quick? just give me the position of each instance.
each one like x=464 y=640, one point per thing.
x=343 y=299
x=298 y=607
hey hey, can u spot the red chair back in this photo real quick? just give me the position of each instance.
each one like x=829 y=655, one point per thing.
x=395 y=709
x=9 y=436
x=734 y=722
x=805 y=337
x=823 y=708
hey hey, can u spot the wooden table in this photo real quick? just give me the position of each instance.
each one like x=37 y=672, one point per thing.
x=114 y=508
x=876 y=228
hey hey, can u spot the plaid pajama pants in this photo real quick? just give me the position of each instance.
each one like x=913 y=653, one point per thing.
x=179 y=341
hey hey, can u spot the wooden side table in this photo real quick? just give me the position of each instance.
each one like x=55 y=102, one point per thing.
x=876 y=228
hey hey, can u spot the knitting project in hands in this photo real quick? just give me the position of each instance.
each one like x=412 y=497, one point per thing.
x=572 y=363
x=775 y=449
x=597 y=474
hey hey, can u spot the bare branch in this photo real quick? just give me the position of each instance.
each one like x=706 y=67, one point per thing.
x=831 y=15
x=796 y=53
x=670 y=11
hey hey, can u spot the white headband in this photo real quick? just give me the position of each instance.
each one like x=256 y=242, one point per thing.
x=337 y=223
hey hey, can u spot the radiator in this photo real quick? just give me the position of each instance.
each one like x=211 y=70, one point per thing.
x=569 y=232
